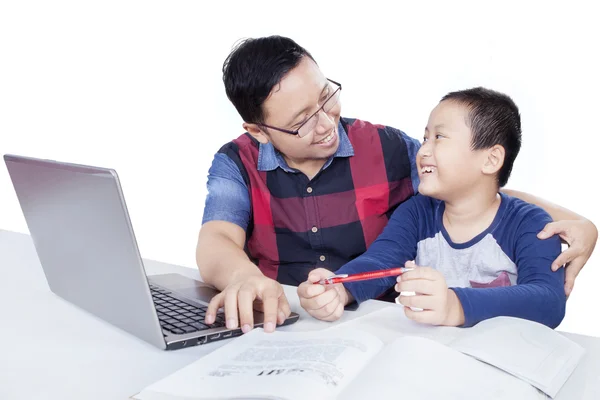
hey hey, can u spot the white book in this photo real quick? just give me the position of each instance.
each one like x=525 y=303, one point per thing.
x=518 y=357
x=528 y=350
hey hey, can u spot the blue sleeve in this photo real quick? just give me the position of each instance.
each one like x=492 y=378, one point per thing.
x=392 y=248
x=413 y=146
x=539 y=294
x=227 y=198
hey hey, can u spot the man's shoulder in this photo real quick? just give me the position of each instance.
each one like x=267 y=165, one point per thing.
x=242 y=141
x=229 y=159
x=236 y=148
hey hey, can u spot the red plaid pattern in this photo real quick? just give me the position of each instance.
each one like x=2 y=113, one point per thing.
x=295 y=229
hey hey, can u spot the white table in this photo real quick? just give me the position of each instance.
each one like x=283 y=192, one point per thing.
x=53 y=350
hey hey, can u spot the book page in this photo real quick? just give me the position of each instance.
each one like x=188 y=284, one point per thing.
x=279 y=365
x=391 y=322
x=527 y=349
x=417 y=368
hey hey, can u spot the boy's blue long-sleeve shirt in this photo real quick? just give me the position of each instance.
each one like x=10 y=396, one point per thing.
x=504 y=271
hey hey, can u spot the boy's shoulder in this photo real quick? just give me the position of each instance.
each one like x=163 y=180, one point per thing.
x=426 y=201
x=524 y=213
x=424 y=206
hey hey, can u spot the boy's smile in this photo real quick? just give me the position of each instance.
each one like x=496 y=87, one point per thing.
x=427 y=169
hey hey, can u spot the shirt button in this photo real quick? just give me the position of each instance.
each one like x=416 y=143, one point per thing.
x=322 y=258
x=309 y=189
x=314 y=229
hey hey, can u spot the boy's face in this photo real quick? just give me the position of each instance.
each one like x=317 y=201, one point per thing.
x=447 y=166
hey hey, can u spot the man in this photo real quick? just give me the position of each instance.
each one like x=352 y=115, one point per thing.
x=304 y=188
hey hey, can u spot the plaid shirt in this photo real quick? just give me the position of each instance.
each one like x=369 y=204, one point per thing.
x=294 y=224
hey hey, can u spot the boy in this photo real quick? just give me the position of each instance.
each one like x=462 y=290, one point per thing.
x=475 y=251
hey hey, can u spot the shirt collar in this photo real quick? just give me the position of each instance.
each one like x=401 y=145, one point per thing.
x=269 y=158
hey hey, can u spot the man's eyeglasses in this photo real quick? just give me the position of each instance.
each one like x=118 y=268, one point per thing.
x=309 y=125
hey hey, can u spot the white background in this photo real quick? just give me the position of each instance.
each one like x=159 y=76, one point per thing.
x=136 y=86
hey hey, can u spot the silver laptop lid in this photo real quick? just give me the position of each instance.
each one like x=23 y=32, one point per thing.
x=82 y=233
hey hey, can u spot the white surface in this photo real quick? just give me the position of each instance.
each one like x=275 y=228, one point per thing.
x=136 y=85
x=53 y=350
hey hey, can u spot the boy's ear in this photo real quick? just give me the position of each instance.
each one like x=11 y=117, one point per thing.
x=494 y=160
x=256 y=133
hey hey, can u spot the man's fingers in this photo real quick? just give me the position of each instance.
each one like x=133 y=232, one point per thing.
x=552 y=229
x=211 y=311
x=571 y=273
x=284 y=309
x=564 y=258
x=245 y=304
x=258 y=305
x=270 y=301
x=231 y=308
x=569 y=284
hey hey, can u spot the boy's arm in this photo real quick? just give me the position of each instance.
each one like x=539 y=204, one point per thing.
x=580 y=234
x=392 y=248
x=538 y=295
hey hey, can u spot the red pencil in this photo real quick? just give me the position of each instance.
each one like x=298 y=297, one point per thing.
x=363 y=276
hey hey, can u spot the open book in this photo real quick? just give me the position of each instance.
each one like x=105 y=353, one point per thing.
x=340 y=363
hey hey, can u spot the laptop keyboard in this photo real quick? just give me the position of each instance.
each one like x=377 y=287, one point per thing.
x=179 y=317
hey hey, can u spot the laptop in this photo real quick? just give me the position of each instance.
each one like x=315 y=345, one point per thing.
x=80 y=226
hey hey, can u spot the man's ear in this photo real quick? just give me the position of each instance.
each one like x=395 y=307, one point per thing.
x=494 y=160
x=256 y=133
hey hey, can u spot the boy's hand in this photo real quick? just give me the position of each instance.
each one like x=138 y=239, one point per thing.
x=324 y=302
x=440 y=305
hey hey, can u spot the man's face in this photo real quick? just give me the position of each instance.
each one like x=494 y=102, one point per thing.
x=296 y=98
x=447 y=166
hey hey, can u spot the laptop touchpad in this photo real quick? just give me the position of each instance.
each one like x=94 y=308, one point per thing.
x=199 y=293
x=185 y=286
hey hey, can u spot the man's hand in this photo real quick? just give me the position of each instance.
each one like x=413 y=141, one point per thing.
x=581 y=236
x=440 y=305
x=240 y=298
x=324 y=302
